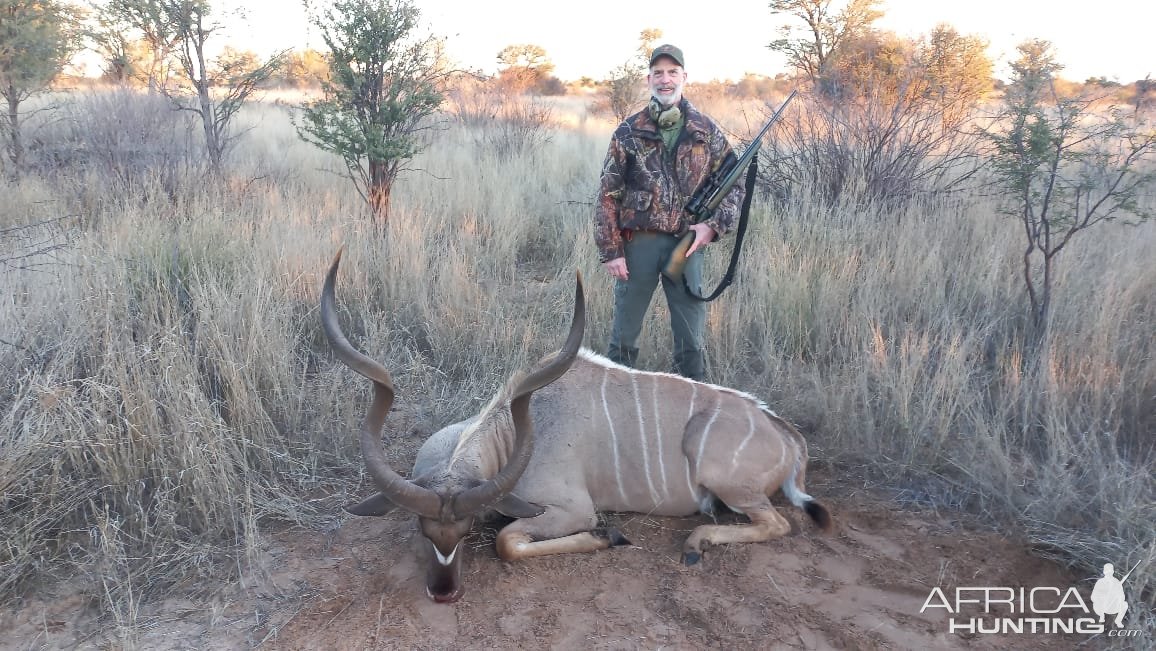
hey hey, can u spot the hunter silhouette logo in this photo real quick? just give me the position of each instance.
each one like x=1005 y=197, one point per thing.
x=1108 y=595
x=1035 y=610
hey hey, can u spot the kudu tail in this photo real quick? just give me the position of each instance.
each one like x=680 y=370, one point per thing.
x=795 y=492
x=794 y=487
x=820 y=515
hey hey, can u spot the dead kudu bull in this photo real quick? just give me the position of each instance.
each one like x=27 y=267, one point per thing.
x=576 y=435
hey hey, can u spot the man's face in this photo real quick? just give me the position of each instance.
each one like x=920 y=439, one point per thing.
x=666 y=79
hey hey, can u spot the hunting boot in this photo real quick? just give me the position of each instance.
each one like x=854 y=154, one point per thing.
x=691 y=364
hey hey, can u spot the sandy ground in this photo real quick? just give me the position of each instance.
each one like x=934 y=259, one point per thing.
x=361 y=586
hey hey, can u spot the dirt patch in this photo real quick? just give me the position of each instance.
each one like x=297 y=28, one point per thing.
x=362 y=587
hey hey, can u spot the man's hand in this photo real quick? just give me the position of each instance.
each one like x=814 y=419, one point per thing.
x=703 y=235
x=617 y=268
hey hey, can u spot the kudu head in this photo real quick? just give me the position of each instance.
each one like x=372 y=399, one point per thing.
x=446 y=504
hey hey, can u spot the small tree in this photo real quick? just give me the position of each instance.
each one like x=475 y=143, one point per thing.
x=623 y=87
x=884 y=120
x=1066 y=166
x=137 y=37
x=385 y=83
x=36 y=40
x=824 y=31
x=956 y=71
x=115 y=47
x=1143 y=95
x=303 y=69
x=527 y=68
x=219 y=89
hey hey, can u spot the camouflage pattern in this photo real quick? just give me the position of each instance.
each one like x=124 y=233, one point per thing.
x=645 y=188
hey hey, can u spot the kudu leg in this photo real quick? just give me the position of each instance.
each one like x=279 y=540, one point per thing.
x=553 y=532
x=766 y=523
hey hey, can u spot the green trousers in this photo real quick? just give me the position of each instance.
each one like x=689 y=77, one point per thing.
x=646 y=254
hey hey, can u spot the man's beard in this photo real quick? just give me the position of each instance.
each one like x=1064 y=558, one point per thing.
x=671 y=99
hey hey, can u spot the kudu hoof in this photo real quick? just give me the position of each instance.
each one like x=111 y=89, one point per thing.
x=614 y=536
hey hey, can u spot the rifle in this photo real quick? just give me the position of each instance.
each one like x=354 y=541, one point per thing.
x=709 y=195
x=1129 y=572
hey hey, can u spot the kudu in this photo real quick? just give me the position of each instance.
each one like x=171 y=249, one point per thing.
x=576 y=435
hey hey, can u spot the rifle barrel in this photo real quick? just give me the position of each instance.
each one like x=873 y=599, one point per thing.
x=758 y=141
x=1130 y=572
x=748 y=154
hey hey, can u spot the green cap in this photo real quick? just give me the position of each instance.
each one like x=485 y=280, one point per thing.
x=667 y=50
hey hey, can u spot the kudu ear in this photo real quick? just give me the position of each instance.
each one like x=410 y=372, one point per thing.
x=379 y=504
x=513 y=506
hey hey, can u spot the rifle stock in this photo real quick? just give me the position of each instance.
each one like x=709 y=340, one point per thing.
x=678 y=258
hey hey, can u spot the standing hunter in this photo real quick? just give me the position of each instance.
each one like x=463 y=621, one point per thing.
x=658 y=157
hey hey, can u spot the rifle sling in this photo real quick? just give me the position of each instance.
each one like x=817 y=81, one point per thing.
x=740 y=232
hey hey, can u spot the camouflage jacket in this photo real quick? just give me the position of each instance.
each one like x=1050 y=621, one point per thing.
x=645 y=188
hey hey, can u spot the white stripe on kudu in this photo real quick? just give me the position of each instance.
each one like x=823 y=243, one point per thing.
x=642 y=437
x=706 y=431
x=782 y=453
x=747 y=439
x=613 y=437
x=658 y=440
x=690 y=404
x=689 y=414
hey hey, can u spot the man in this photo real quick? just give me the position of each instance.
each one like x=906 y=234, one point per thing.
x=658 y=157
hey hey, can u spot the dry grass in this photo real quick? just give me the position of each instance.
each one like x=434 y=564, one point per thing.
x=169 y=395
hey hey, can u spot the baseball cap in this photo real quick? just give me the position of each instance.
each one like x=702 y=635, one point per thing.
x=667 y=50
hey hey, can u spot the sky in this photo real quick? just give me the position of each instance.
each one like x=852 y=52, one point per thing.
x=591 y=37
